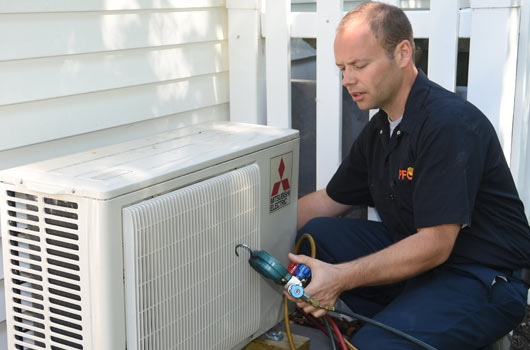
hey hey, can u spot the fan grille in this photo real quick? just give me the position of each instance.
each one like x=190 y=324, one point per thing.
x=42 y=249
x=183 y=279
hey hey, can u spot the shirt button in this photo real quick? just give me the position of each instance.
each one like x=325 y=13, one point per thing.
x=380 y=131
x=392 y=196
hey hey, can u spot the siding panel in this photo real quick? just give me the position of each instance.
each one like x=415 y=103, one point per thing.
x=69 y=75
x=41 y=121
x=59 y=147
x=26 y=6
x=25 y=36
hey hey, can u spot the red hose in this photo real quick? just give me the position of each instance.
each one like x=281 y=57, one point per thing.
x=314 y=322
x=337 y=332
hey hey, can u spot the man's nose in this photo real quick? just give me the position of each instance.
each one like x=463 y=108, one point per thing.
x=348 y=78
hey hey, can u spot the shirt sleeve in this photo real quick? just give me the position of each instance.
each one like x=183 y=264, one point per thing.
x=447 y=173
x=349 y=184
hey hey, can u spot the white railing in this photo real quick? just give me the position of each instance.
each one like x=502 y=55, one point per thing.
x=498 y=74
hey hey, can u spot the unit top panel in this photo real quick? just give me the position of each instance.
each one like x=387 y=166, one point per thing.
x=113 y=170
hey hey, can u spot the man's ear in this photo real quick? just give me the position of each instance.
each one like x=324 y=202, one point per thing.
x=403 y=53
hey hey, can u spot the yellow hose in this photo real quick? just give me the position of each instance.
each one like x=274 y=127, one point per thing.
x=287 y=325
x=285 y=300
x=311 y=243
x=350 y=345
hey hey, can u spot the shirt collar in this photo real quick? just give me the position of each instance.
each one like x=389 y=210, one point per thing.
x=411 y=116
x=419 y=91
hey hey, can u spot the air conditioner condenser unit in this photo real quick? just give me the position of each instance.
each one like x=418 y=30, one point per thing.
x=131 y=246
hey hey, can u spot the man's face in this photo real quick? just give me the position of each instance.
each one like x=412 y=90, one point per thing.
x=372 y=79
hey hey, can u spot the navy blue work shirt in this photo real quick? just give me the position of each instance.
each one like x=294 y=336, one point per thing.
x=443 y=165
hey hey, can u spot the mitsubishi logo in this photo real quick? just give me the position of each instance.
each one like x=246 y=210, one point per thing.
x=283 y=182
x=281 y=170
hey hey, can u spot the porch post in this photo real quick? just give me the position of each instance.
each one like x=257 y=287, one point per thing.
x=247 y=61
x=278 y=57
x=492 y=64
x=329 y=93
x=443 y=42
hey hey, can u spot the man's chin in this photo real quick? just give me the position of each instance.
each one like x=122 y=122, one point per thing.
x=364 y=106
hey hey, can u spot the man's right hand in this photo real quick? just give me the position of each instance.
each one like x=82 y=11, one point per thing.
x=325 y=286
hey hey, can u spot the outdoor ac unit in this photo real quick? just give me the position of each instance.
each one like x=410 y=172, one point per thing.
x=131 y=246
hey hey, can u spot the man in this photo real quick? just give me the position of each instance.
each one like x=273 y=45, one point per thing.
x=445 y=263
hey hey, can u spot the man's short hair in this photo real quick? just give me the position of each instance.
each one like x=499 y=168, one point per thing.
x=388 y=23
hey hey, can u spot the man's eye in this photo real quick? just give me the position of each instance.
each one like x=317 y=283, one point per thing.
x=360 y=66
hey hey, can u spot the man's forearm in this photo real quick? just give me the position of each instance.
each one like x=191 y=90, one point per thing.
x=318 y=204
x=409 y=257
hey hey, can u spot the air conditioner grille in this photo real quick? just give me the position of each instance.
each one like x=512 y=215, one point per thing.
x=43 y=260
x=188 y=289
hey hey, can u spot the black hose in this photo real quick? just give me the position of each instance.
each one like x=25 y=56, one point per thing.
x=388 y=328
x=330 y=333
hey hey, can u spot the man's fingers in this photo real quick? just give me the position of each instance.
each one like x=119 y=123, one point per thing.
x=290 y=297
x=299 y=302
x=314 y=311
x=299 y=259
x=319 y=313
x=302 y=305
x=308 y=308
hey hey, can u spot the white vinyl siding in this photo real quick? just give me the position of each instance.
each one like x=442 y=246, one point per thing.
x=76 y=67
